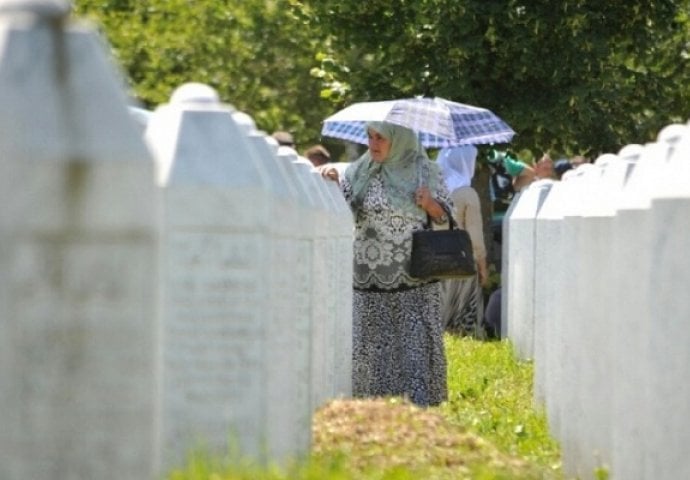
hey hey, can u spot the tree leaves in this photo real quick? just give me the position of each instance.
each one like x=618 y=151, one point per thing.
x=577 y=77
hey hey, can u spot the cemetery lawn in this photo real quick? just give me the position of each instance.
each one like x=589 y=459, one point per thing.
x=487 y=430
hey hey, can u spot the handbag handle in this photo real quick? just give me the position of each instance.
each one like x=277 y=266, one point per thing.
x=451 y=220
x=420 y=183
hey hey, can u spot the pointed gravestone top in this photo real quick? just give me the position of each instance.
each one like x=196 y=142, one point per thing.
x=47 y=9
x=193 y=93
x=244 y=121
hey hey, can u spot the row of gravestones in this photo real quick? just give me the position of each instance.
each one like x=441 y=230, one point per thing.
x=596 y=278
x=185 y=286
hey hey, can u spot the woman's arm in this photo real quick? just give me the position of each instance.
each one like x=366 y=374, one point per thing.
x=429 y=204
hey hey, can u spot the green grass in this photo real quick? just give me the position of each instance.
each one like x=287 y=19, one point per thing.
x=490 y=393
x=487 y=430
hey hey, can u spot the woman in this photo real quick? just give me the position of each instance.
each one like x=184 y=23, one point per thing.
x=462 y=302
x=397 y=333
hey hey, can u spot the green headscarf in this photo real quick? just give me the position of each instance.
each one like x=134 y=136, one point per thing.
x=399 y=171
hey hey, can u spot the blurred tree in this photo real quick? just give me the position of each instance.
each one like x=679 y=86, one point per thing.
x=256 y=53
x=575 y=77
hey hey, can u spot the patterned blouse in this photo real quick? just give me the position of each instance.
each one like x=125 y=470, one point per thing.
x=383 y=238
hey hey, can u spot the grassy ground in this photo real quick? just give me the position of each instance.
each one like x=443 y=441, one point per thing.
x=488 y=429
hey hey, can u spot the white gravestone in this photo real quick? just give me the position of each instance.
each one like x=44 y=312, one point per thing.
x=520 y=281
x=506 y=265
x=289 y=382
x=580 y=187
x=323 y=311
x=342 y=223
x=539 y=292
x=216 y=290
x=563 y=318
x=632 y=258
x=321 y=366
x=336 y=298
x=78 y=356
x=668 y=432
x=548 y=272
x=591 y=296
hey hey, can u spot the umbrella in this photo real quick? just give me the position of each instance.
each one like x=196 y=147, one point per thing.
x=439 y=122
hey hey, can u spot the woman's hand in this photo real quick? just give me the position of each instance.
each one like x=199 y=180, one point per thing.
x=426 y=202
x=329 y=172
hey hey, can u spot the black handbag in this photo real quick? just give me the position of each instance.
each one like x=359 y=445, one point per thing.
x=441 y=254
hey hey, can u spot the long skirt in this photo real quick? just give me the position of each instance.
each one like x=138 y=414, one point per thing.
x=462 y=307
x=398 y=345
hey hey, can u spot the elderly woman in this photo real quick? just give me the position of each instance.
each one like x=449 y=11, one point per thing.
x=462 y=307
x=397 y=332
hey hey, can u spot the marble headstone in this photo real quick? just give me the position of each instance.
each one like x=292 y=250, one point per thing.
x=78 y=258
x=519 y=288
x=231 y=367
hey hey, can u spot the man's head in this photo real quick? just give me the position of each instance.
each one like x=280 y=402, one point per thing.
x=317 y=155
x=284 y=138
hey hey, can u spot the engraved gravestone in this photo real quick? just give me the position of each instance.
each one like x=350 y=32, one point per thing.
x=226 y=376
x=341 y=278
x=335 y=295
x=78 y=258
x=289 y=348
x=323 y=309
x=319 y=314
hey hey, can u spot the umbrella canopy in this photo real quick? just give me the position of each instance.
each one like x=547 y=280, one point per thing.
x=439 y=122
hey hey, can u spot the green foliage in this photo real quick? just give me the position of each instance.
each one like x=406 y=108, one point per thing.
x=575 y=77
x=256 y=53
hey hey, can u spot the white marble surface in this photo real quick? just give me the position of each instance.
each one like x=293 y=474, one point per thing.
x=78 y=357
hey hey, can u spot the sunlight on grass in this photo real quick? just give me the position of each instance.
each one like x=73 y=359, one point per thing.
x=490 y=393
x=487 y=430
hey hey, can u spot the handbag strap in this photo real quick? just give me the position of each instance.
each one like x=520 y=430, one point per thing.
x=421 y=177
x=451 y=221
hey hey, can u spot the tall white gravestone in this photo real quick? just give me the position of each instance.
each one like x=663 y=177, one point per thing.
x=222 y=367
x=78 y=348
x=519 y=289
x=548 y=271
x=506 y=266
x=335 y=292
x=321 y=327
x=288 y=382
x=630 y=312
x=342 y=223
x=669 y=332
x=594 y=336
x=579 y=187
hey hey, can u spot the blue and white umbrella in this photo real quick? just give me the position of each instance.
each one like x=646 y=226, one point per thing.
x=439 y=122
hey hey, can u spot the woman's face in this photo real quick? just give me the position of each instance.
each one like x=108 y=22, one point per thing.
x=379 y=146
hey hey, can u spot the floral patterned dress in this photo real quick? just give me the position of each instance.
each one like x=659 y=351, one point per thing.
x=397 y=331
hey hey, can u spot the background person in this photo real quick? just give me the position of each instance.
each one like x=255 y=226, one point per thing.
x=561 y=166
x=284 y=139
x=398 y=345
x=462 y=300
x=318 y=155
x=520 y=173
x=544 y=168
